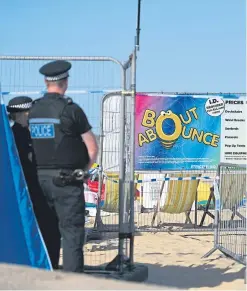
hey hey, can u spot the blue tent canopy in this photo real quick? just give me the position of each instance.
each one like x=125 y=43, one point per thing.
x=20 y=241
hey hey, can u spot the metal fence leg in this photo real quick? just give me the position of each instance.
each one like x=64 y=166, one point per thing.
x=210 y=252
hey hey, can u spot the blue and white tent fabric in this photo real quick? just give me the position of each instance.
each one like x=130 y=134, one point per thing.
x=20 y=241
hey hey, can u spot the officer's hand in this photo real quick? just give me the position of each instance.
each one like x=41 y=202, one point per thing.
x=86 y=177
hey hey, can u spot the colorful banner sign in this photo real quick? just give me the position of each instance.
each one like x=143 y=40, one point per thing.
x=185 y=132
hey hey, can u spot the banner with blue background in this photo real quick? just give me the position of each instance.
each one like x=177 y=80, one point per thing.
x=185 y=132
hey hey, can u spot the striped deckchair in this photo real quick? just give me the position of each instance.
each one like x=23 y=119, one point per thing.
x=180 y=197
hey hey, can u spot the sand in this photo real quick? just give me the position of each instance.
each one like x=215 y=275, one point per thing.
x=23 y=278
x=174 y=261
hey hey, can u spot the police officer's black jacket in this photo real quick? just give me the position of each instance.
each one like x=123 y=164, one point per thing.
x=23 y=143
x=56 y=126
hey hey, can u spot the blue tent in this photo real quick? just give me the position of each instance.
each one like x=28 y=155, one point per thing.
x=20 y=241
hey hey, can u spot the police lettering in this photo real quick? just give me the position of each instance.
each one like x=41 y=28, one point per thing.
x=42 y=130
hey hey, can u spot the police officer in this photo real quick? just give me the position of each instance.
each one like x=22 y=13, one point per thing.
x=63 y=142
x=18 y=109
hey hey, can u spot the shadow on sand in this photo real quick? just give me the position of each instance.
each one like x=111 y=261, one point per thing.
x=192 y=276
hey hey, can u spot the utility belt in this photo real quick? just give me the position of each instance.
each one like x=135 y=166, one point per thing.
x=64 y=177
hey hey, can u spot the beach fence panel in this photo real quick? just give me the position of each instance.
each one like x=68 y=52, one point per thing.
x=107 y=216
x=114 y=216
x=230 y=209
x=97 y=84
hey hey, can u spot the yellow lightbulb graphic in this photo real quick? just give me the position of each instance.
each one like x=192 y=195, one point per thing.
x=168 y=140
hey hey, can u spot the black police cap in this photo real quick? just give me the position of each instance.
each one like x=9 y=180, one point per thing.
x=56 y=70
x=19 y=104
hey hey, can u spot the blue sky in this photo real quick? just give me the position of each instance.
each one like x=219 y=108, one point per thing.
x=186 y=45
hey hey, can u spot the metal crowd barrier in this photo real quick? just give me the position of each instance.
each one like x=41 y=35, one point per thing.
x=93 y=80
x=230 y=212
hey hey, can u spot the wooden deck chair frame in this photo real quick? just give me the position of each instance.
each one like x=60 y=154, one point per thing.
x=206 y=209
x=187 y=213
x=207 y=212
x=157 y=209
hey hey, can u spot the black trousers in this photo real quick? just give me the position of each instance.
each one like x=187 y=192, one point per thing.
x=47 y=220
x=69 y=205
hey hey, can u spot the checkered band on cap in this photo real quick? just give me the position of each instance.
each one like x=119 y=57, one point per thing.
x=58 y=77
x=22 y=106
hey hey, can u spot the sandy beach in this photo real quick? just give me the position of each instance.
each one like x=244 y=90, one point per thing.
x=174 y=261
x=13 y=277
